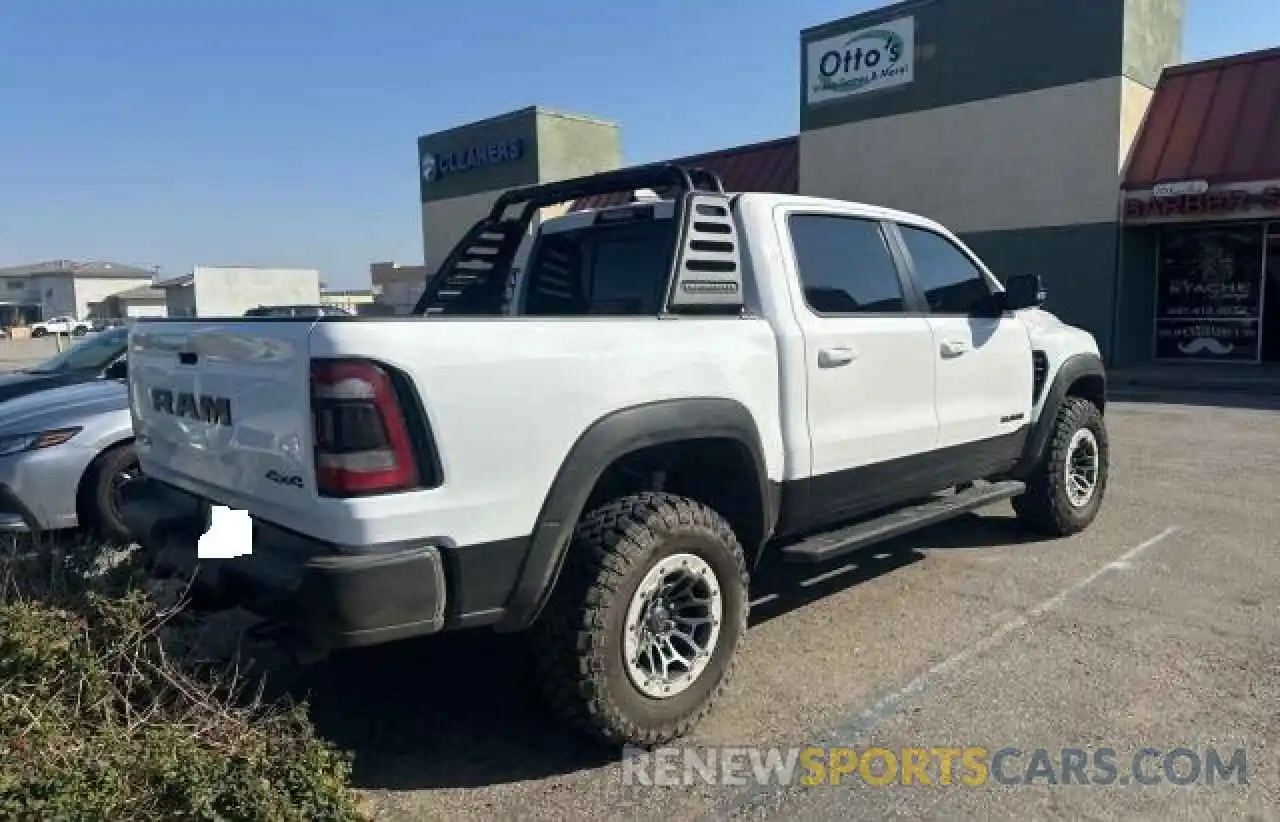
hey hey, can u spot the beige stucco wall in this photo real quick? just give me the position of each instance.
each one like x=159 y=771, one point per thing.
x=144 y=308
x=96 y=290
x=1042 y=158
x=573 y=145
x=229 y=291
x=1135 y=100
x=445 y=221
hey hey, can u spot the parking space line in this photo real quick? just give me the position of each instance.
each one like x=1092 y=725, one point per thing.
x=887 y=705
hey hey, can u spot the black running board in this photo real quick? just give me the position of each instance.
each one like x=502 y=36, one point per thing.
x=832 y=544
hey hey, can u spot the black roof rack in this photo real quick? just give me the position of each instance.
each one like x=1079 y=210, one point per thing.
x=474 y=275
x=652 y=175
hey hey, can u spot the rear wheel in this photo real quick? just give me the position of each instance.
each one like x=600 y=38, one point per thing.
x=100 y=498
x=1064 y=492
x=640 y=634
x=39 y=332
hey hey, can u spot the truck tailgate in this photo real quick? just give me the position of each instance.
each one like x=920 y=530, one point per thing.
x=222 y=408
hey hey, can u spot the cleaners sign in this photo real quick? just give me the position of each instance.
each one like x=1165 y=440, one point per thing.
x=448 y=163
x=871 y=59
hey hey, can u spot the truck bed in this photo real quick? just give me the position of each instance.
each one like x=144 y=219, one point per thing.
x=222 y=407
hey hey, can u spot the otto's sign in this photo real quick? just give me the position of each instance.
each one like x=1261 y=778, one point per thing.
x=448 y=163
x=874 y=58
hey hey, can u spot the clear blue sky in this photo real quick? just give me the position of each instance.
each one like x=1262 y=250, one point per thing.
x=175 y=132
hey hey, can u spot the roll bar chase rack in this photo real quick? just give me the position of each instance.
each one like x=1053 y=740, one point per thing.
x=706 y=268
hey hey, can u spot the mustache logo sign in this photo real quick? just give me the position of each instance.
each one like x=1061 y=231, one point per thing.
x=1201 y=345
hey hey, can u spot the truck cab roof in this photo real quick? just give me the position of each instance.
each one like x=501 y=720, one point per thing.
x=664 y=209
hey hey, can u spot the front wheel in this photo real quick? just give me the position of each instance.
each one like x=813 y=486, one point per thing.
x=639 y=637
x=1065 y=490
x=39 y=332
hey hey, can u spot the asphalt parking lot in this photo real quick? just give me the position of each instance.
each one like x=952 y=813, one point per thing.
x=1159 y=627
x=15 y=354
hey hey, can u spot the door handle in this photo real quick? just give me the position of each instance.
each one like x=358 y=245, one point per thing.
x=835 y=357
x=954 y=348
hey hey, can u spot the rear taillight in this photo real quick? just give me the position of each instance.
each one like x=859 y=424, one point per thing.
x=362 y=442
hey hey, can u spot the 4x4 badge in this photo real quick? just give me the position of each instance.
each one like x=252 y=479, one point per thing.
x=294 y=480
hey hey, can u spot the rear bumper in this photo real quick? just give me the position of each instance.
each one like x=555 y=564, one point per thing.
x=335 y=600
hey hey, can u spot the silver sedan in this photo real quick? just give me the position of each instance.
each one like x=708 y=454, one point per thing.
x=64 y=452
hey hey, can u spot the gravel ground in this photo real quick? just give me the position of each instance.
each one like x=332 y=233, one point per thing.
x=1160 y=626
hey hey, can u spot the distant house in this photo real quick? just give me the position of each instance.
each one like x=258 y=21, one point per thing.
x=32 y=292
x=352 y=299
x=398 y=286
x=143 y=301
x=229 y=291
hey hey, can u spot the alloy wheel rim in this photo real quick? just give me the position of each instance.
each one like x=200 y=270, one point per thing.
x=672 y=626
x=1081 y=468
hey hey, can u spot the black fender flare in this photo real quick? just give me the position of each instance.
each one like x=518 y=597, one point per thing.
x=607 y=439
x=1072 y=370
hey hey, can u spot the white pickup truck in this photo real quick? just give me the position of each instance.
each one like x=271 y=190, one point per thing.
x=604 y=448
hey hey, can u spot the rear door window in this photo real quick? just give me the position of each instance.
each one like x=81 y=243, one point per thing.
x=845 y=265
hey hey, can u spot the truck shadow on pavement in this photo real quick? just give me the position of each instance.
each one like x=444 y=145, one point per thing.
x=462 y=711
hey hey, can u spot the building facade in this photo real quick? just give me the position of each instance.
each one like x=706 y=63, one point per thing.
x=398 y=286
x=30 y=293
x=143 y=301
x=1055 y=137
x=229 y=291
x=348 y=299
x=1200 y=278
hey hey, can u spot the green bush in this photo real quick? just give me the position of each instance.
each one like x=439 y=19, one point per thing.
x=100 y=718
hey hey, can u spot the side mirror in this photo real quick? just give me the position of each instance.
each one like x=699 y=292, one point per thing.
x=1024 y=291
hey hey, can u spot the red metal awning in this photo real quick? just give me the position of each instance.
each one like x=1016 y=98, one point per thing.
x=1216 y=121
x=769 y=166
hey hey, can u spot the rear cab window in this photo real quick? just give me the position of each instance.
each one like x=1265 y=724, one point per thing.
x=615 y=262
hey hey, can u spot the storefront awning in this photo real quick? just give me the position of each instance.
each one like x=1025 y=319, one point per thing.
x=1210 y=144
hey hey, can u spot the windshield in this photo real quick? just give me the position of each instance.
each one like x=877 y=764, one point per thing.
x=91 y=353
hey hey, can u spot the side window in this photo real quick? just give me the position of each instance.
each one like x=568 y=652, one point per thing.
x=952 y=284
x=845 y=265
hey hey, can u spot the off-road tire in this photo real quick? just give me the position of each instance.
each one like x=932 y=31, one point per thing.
x=98 y=510
x=1045 y=507
x=578 y=638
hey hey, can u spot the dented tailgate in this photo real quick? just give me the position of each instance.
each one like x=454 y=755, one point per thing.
x=222 y=409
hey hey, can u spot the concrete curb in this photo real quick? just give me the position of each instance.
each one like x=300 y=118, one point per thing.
x=1200 y=384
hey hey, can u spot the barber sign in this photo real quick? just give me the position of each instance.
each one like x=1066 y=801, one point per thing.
x=870 y=59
